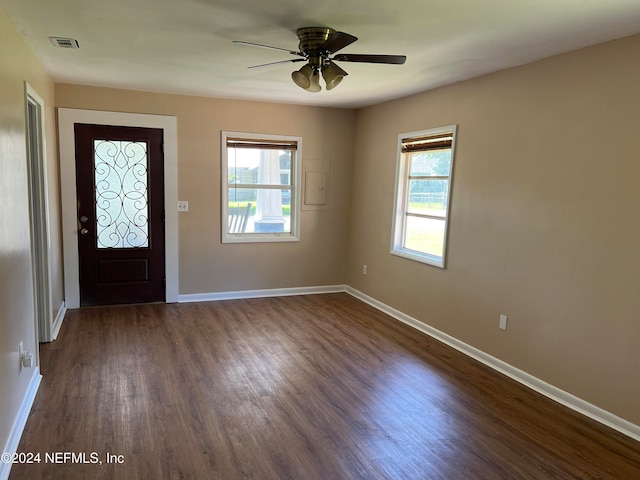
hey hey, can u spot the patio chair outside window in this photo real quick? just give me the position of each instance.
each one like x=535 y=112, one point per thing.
x=238 y=218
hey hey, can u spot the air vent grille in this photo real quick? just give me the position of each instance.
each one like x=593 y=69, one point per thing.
x=64 y=42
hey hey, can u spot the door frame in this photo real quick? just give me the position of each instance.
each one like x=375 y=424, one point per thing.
x=39 y=218
x=67 y=117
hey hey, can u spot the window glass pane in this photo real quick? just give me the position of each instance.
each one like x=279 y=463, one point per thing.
x=251 y=166
x=122 y=212
x=259 y=210
x=428 y=197
x=285 y=167
x=425 y=235
x=434 y=163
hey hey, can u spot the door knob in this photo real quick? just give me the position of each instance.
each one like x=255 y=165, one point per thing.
x=83 y=231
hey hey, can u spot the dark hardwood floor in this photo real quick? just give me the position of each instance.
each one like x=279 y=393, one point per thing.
x=310 y=387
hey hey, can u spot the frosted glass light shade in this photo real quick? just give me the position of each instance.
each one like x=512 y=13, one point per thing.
x=331 y=76
x=302 y=77
x=314 y=83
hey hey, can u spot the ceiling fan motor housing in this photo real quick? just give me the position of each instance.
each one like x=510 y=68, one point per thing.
x=311 y=38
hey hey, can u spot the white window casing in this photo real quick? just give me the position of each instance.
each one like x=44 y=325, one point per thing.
x=261 y=187
x=423 y=188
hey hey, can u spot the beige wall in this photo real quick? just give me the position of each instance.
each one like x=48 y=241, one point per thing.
x=544 y=219
x=17 y=323
x=207 y=266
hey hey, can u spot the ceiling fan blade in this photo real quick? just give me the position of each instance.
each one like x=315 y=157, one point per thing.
x=390 y=59
x=292 y=52
x=277 y=63
x=337 y=41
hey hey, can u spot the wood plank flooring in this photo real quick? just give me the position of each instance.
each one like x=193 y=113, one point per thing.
x=310 y=387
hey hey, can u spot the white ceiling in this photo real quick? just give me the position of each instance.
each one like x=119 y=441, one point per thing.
x=185 y=46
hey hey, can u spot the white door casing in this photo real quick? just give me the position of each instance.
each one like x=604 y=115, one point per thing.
x=67 y=117
x=39 y=215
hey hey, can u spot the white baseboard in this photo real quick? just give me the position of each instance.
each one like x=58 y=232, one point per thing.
x=540 y=386
x=20 y=421
x=57 y=323
x=273 y=292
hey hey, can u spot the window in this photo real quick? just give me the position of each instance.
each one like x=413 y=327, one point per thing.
x=423 y=193
x=260 y=187
x=120 y=172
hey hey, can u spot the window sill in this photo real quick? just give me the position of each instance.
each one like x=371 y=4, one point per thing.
x=258 y=238
x=419 y=257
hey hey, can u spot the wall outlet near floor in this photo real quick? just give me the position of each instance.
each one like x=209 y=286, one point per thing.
x=183 y=206
x=503 y=322
x=26 y=357
x=364 y=269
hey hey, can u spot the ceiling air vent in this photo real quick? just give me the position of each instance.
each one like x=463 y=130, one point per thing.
x=64 y=42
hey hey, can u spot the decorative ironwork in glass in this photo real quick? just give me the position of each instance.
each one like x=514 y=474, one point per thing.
x=122 y=211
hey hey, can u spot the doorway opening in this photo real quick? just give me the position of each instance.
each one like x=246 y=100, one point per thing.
x=38 y=213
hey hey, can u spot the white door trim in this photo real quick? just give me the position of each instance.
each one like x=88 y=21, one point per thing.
x=39 y=216
x=67 y=117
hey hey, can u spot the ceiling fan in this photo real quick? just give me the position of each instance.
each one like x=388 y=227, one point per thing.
x=318 y=47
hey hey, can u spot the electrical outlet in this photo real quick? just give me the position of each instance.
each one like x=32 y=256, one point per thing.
x=20 y=354
x=503 y=322
x=364 y=269
x=26 y=357
x=183 y=206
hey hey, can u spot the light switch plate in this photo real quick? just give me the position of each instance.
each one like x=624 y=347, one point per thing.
x=503 y=322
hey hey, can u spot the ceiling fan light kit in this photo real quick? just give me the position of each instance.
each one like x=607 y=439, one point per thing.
x=316 y=47
x=308 y=78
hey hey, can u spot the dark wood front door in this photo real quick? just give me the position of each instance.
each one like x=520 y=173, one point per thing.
x=120 y=190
